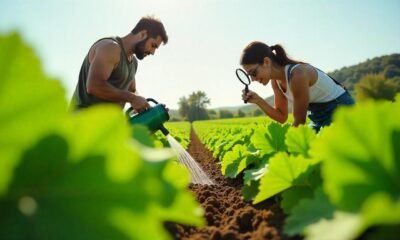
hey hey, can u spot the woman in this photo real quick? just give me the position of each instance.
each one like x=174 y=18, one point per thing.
x=311 y=91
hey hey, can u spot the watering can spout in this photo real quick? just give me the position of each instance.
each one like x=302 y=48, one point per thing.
x=164 y=130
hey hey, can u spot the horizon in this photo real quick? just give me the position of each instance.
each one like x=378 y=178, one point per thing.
x=206 y=38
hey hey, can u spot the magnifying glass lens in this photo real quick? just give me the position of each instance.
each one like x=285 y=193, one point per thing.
x=242 y=76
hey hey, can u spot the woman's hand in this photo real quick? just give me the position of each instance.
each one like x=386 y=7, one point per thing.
x=251 y=97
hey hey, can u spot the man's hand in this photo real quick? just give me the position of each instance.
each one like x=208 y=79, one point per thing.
x=139 y=104
x=167 y=109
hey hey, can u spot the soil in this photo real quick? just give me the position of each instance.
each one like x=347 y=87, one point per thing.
x=228 y=215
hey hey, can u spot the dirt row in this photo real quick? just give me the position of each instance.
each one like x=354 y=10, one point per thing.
x=228 y=215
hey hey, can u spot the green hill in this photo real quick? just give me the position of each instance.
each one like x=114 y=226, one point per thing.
x=388 y=65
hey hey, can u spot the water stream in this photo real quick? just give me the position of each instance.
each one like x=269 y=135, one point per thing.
x=197 y=173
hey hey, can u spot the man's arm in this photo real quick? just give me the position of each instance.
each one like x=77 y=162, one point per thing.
x=132 y=86
x=104 y=58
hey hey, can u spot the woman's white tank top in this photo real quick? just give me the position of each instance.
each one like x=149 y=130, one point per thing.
x=323 y=90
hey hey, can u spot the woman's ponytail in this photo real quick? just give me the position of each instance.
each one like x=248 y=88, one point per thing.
x=280 y=56
x=255 y=52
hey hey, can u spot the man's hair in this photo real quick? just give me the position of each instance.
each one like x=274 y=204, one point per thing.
x=153 y=26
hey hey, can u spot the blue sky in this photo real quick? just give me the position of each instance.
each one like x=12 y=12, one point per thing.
x=206 y=37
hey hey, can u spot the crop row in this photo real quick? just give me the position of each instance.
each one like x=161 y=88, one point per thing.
x=339 y=183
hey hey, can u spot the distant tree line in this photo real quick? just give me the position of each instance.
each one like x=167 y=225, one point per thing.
x=194 y=107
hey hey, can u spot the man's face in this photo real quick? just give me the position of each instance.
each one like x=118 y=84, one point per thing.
x=147 y=47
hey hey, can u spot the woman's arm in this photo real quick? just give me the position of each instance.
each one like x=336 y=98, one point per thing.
x=281 y=103
x=278 y=113
x=301 y=79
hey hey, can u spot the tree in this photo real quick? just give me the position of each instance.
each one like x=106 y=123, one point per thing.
x=257 y=112
x=393 y=59
x=183 y=107
x=391 y=71
x=240 y=113
x=212 y=114
x=397 y=81
x=225 y=114
x=194 y=107
x=373 y=86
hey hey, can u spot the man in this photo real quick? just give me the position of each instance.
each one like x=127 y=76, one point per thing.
x=108 y=71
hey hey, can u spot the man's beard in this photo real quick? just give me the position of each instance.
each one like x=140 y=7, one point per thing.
x=139 y=49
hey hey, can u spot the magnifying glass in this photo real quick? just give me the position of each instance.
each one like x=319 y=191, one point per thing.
x=243 y=78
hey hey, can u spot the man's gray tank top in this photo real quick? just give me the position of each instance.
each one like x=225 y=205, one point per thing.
x=120 y=78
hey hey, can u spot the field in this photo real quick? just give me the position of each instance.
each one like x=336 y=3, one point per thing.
x=90 y=175
x=278 y=182
x=228 y=215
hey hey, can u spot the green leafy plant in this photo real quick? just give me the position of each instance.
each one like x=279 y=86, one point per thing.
x=361 y=166
x=71 y=176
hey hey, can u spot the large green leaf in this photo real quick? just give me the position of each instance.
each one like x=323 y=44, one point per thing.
x=78 y=176
x=391 y=232
x=271 y=139
x=284 y=171
x=292 y=197
x=361 y=154
x=250 y=190
x=251 y=178
x=343 y=226
x=108 y=137
x=298 y=139
x=380 y=209
x=256 y=173
x=309 y=211
x=53 y=196
x=237 y=160
x=31 y=103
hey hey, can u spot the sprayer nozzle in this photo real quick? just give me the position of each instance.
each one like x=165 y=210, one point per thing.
x=164 y=130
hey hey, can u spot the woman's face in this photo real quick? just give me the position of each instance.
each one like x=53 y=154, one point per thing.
x=259 y=72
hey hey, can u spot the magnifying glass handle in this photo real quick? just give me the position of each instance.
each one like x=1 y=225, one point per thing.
x=246 y=90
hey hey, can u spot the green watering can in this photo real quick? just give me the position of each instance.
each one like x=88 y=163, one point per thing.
x=153 y=118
